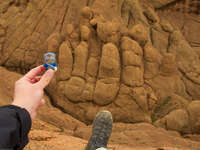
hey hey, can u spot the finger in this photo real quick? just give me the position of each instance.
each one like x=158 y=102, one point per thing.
x=34 y=113
x=42 y=102
x=46 y=78
x=34 y=72
x=33 y=81
x=36 y=79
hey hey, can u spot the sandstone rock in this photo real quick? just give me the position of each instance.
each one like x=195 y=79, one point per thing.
x=92 y=66
x=193 y=137
x=191 y=29
x=160 y=40
x=151 y=70
x=132 y=8
x=131 y=59
x=65 y=62
x=74 y=39
x=152 y=61
x=127 y=44
x=194 y=76
x=110 y=62
x=132 y=76
x=53 y=42
x=85 y=33
x=192 y=89
x=135 y=115
x=21 y=2
x=74 y=88
x=186 y=57
x=3 y=23
x=160 y=3
x=166 y=26
x=162 y=90
x=53 y=141
x=87 y=12
x=110 y=69
x=178 y=120
x=7 y=81
x=139 y=33
x=2 y=32
x=83 y=132
x=193 y=110
x=140 y=96
x=80 y=60
x=151 y=54
x=17 y=58
x=131 y=52
x=101 y=94
x=109 y=31
x=168 y=66
x=44 y=126
x=151 y=15
x=88 y=92
x=40 y=135
x=168 y=104
x=69 y=29
x=2 y=40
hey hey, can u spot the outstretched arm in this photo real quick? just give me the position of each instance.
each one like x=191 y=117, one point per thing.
x=15 y=119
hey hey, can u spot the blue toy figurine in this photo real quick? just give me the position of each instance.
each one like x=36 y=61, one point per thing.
x=50 y=61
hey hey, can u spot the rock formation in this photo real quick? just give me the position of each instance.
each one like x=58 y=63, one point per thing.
x=117 y=55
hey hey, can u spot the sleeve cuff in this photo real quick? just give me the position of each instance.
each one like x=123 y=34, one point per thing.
x=25 y=123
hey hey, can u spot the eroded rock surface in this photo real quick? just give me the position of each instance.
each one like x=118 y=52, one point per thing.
x=114 y=55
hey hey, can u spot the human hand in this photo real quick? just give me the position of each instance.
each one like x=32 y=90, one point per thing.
x=28 y=92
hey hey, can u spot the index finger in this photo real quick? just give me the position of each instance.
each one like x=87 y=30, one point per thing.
x=34 y=72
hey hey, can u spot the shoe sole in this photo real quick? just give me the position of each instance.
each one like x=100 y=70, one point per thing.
x=102 y=128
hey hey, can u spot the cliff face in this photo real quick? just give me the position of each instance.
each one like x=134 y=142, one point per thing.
x=117 y=55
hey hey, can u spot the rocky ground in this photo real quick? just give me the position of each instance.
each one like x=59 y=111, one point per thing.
x=145 y=53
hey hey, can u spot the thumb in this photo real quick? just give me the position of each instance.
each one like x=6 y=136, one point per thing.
x=46 y=78
x=42 y=102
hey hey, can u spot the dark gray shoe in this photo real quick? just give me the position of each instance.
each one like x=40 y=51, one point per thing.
x=101 y=131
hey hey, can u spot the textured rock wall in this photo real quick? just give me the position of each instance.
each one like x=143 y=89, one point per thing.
x=116 y=55
x=184 y=6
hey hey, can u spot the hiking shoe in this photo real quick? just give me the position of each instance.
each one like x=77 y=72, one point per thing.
x=101 y=131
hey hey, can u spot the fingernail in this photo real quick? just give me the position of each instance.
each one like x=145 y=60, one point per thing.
x=50 y=72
